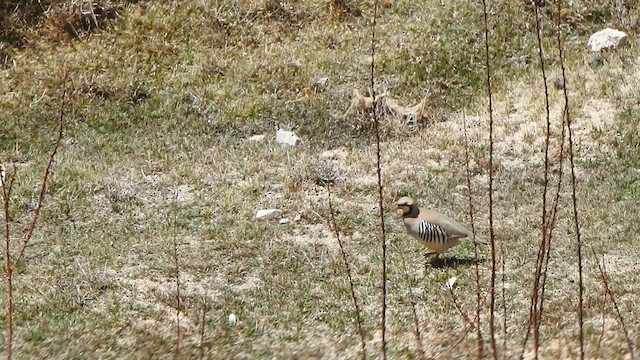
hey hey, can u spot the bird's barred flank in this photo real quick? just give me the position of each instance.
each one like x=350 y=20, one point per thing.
x=432 y=233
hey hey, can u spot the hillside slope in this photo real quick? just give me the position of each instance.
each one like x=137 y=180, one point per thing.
x=162 y=100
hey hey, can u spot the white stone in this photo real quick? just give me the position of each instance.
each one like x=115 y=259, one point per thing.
x=288 y=138
x=256 y=138
x=233 y=319
x=606 y=39
x=183 y=194
x=268 y=214
x=451 y=282
x=321 y=81
x=284 y=221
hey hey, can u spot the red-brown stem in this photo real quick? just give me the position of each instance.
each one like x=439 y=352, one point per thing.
x=464 y=316
x=45 y=178
x=383 y=237
x=605 y=280
x=177 y=276
x=552 y=221
x=414 y=313
x=202 y=323
x=480 y=346
x=574 y=198
x=492 y=305
x=535 y=310
x=347 y=265
x=6 y=196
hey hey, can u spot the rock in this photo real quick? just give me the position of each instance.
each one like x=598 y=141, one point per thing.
x=284 y=221
x=558 y=83
x=451 y=283
x=596 y=61
x=268 y=214
x=183 y=194
x=256 y=138
x=607 y=39
x=321 y=83
x=325 y=173
x=233 y=319
x=287 y=138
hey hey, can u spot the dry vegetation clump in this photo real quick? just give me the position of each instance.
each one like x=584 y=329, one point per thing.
x=386 y=104
x=54 y=19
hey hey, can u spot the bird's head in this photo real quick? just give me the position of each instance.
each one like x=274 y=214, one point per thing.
x=404 y=205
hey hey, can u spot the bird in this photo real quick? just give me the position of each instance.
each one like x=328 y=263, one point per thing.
x=436 y=231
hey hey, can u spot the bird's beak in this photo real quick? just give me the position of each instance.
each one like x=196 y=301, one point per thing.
x=399 y=210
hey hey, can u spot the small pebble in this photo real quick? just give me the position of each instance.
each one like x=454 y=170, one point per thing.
x=268 y=214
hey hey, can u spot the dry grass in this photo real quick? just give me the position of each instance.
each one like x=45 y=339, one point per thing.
x=166 y=97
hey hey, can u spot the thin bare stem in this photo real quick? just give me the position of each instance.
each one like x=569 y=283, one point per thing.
x=605 y=280
x=6 y=199
x=480 y=346
x=45 y=177
x=414 y=313
x=177 y=277
x=464 y=316
x=603 y=309
x=535 y=313
x=383 y=237
x=203 y=319
x=552 y=221
x=492 y=306
x=574 y=197
x=504 y=300
x=347 y=265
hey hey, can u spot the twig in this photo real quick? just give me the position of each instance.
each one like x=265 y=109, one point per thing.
x=202 y=322
x=45 y=177
x=491 y=230
x=574 y=198
x=345 y=261
x=552 y=221
x=535 y=313
x=605 y=280
x=459 y=308
x=6 y=198
x=602 y=328
x=416 y=322
x=383 y=242
x=480 y=346
x=177 y=276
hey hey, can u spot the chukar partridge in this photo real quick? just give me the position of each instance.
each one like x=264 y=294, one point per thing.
x=437 y=232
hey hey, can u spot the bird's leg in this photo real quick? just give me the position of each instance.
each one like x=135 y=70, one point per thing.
x=426 y=258
x=427 y=255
